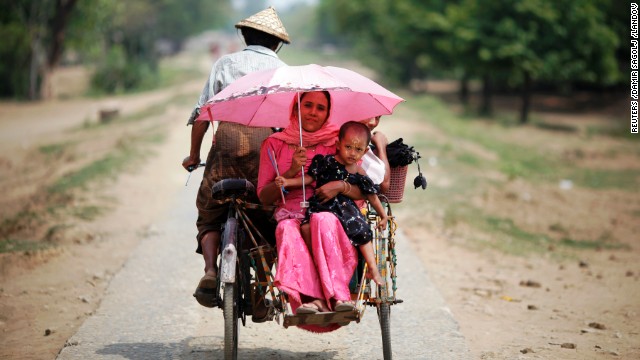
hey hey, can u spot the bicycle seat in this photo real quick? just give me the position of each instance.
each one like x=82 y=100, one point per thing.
x=226 y=188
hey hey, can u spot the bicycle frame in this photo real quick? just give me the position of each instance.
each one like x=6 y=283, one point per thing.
x=229 y=251
x=236 y=262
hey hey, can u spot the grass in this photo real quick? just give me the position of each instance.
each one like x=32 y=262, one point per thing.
x=515 y=160
x=15 y=245
x=71 y=195
x=126 y=151
x=129 y=150
x=465 y=173
x=170 y=74
x=54 y=150
x=87 y=213
x=153 y=110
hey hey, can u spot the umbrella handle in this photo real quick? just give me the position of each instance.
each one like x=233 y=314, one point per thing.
x=304 y=203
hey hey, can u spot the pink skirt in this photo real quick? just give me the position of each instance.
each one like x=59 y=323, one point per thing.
x=326 y=273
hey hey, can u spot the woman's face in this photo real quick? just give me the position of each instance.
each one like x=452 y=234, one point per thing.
x=371 y=123
x=314 y=110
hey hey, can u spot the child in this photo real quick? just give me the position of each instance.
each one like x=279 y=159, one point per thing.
x=375 y=162
x=353 y=143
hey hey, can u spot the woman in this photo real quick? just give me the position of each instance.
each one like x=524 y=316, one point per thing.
x=317 y=280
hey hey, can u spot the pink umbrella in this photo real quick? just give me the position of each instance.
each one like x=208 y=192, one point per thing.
x=263 y=98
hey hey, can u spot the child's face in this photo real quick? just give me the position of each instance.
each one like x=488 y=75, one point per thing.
x=352 y=147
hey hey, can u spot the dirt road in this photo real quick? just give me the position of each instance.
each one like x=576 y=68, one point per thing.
x=148 y=312
x=97 y=268
x=127 y=290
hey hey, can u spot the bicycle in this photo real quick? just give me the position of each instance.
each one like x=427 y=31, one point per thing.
x=245 y=277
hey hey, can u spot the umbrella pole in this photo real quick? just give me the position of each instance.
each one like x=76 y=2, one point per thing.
x=304 y=203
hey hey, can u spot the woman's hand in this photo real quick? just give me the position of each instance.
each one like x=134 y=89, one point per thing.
x=298 y=160
x=379 y=140
x=329 y=190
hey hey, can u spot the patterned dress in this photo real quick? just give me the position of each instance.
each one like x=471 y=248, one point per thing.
x=323 y=273
x=325 y=169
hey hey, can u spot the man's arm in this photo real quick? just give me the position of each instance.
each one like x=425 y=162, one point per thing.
x=198 y=130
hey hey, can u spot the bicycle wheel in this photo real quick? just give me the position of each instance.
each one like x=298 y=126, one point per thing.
x=384 y=307
x=230 y=311
x=384 y=315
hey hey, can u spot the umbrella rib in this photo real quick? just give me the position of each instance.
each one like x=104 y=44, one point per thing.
x=264 y=98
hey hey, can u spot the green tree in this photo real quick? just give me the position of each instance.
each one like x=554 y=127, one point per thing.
x=524 y=42
x=119 y=36
x=33 y=35
x=512 y=43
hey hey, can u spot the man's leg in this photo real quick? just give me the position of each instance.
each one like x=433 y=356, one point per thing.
x=206 y=291
x=210 y=246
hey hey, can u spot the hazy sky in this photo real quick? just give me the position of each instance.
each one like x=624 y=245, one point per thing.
x=278 y=4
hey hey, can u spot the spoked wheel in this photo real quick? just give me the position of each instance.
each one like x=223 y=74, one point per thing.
x=384 y=315
x=230 y=310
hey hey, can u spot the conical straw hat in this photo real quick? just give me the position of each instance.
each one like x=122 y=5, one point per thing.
x=266 y=21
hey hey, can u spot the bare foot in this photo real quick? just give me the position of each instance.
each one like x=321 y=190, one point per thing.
x=317 y=305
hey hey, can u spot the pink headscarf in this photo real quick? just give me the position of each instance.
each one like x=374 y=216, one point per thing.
x=327 y=135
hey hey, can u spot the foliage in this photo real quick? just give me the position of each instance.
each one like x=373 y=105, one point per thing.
x=514 y=43
x=15 y=53
x=549 y=40
x=23 y=31
x=120 y=36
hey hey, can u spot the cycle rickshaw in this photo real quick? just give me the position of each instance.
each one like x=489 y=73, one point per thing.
x=247 y=262
x=264 y=98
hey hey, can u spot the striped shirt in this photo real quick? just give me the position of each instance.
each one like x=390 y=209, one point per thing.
x=232 y=67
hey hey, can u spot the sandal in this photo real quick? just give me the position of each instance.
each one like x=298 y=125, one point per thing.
x=206 y=291
x=345 y=306
x=311 y=308
x=266 y=308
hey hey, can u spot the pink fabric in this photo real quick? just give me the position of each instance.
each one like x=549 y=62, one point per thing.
x=284 y=155
x=262 y=98
x=327 y=274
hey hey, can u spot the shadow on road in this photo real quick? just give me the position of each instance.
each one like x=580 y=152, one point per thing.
x=203 y=348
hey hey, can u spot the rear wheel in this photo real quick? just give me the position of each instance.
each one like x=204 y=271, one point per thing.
x=384 y=307
x=384 y=315
x=230 y=310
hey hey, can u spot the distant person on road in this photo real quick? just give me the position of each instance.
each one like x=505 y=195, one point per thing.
x=236 y=148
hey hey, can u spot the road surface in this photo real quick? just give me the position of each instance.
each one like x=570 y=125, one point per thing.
x=148 y=311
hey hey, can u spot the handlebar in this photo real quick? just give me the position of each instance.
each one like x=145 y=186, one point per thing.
x=190 y=169
x=193 y=167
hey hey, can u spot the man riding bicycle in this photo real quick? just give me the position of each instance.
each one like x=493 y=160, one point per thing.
x=236 y=148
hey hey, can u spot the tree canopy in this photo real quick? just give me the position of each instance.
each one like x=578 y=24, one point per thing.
x=515 y=43
x=119 y=36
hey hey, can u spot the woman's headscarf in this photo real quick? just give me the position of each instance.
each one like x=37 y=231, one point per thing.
x=327 y=135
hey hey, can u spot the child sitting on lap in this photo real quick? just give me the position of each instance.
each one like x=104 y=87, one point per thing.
x=353 y=143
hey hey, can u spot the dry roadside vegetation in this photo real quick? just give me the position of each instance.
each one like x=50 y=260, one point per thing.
x=528 y=231
x=81 y=194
